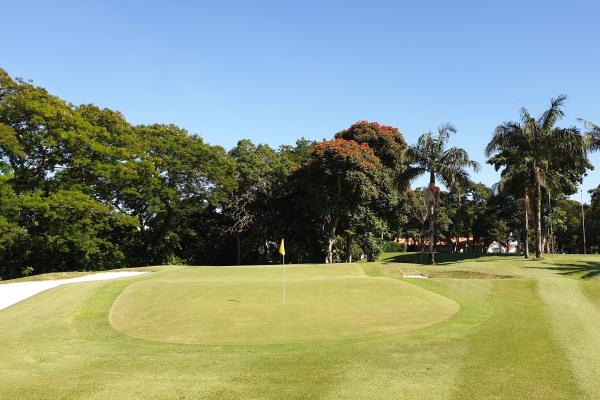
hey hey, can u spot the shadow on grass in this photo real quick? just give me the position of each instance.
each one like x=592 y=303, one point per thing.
x=441 y=258
x=587 y=270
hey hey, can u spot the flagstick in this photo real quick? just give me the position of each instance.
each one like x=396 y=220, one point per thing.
x=283 y=266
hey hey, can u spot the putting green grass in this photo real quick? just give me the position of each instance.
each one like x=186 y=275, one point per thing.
x=245 y=306
x=480 y=328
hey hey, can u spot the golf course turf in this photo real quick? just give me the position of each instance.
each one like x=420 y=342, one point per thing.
x=245 y=306
x=479 y=328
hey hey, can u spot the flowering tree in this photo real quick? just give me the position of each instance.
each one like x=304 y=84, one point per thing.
x=387 y=142
x=342 y=178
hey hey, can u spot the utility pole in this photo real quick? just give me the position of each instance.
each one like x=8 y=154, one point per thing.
x=583 y=221
x=551 y=227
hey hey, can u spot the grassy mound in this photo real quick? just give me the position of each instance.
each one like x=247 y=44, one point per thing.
x=245 y=306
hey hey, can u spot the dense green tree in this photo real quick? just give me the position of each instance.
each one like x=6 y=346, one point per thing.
x=10 y=207
x=466 y=204
x=132 y=188
x=260 y=172
x=592 y=221
x=37 y=132
x=418 y=214
x=177 y=174
x=50 y=220
x=66 y=229
x=569 y=237
x=499 y=221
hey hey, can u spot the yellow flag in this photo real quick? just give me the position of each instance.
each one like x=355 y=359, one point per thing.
x=282 y=248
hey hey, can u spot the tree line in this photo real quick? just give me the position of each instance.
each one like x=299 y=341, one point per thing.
x=83 y=189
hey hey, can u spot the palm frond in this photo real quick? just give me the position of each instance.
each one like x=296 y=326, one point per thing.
x=429 y=154
x=525 y=116
x=589 y=125
x=444 y=132
x=507 y=135
x=549 y=118
x=592 y=136
x=404 y=178
x=452 y=165
x=458 y=158
x=568 y=142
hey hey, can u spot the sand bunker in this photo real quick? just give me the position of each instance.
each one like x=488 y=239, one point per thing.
x=12 y=293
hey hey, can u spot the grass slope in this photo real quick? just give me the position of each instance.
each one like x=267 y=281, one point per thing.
x=533 y=335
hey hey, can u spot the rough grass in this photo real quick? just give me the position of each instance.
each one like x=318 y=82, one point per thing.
x=533 y=336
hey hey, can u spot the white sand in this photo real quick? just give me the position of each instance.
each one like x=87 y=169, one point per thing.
x=11 y=293
x=415 y=276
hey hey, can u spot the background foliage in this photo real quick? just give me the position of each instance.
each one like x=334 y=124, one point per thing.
x=83 y=189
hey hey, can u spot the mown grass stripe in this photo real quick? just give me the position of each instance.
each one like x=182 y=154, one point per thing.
x=576 y=323
x=513 y=355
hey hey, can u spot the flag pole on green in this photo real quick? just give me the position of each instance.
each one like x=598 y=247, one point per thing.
x=282 y=252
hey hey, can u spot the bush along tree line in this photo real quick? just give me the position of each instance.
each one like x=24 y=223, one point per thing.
x=83 y=189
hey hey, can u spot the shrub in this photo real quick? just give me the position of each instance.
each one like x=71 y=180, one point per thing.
x=394 y=247
x=371 y=245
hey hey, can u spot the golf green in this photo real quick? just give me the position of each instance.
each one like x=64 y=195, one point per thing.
x=245 y=306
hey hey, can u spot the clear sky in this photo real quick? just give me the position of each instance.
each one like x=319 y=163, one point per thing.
x=274 y=71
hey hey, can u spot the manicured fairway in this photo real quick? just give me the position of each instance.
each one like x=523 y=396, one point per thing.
x=480 y=328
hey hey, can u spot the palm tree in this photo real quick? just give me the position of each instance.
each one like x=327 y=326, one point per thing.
x=430 y=156
x=555 y=156
x=516 y=177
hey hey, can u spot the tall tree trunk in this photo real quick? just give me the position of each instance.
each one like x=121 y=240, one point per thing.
x=422 y=242
x=329 y=258
x=348 y=249
x=470 y=241
x=334 y=222
x=550 y=227
x=238 y=246
x=538 y=216
x=526 y=250
x=457 y=232
x=432 y=234
x=331 y=241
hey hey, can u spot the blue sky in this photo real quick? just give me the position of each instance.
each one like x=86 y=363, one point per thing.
x=274 y=71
